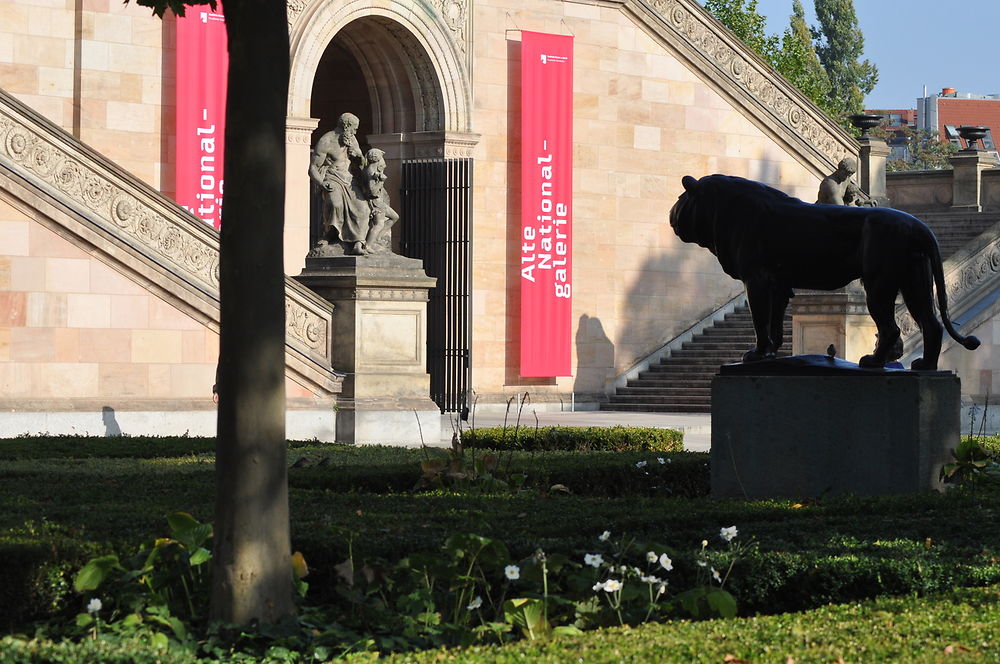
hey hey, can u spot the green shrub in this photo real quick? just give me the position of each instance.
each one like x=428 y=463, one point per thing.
x=989 y=443
x=957 y=627
x=580 y=439
x=36 y=575
x=15 y=650
x=88 y=447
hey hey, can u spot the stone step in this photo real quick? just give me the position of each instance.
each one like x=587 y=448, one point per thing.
x=682 y=382
x=657 y=408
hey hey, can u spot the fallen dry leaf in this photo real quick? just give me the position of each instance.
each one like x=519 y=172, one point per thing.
x=729 y=658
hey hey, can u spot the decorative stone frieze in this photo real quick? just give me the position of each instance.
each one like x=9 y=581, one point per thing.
x=120 y=210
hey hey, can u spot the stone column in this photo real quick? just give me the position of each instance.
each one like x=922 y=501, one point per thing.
x=967 y=178
x=840 y=317
x=298 y=147
x=871 y=168
x=379 y=343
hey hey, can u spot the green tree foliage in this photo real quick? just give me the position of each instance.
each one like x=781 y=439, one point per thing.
x=798 y=62
x=840 y=44
x=793 y=55
x=742 y=19
x=927 y=151
x=821 y=62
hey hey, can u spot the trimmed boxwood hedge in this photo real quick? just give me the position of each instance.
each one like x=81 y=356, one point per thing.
x=580 y=439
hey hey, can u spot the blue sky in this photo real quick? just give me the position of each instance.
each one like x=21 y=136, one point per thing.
x=917 y=43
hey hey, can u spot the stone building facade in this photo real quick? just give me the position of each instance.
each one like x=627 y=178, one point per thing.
x=661 y=91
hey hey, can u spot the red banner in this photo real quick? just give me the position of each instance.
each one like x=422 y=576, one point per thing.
x=546 y=204
x=202 y=65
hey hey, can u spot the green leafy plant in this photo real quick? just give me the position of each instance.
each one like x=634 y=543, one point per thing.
x=164 y=585
x=972 y=464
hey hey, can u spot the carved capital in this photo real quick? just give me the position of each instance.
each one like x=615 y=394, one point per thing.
x=298 y=131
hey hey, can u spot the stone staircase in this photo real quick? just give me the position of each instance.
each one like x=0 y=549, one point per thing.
x=681 y=382
x=955 y=229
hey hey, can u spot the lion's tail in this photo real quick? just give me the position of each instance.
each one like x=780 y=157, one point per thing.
x=970 y=342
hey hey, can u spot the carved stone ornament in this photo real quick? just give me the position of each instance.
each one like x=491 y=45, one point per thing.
x=124 y=212
x=964 y=282
x=453 y=14
x=140 y=218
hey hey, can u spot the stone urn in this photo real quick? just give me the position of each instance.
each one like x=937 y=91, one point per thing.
x=865 y=121
x=972 y=135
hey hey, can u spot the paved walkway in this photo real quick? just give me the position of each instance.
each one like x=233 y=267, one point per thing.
x=697 y=427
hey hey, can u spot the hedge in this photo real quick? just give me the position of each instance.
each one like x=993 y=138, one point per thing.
x=958 y=626
x=580 y=439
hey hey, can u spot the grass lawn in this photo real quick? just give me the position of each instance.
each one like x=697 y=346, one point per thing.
x=908 y=578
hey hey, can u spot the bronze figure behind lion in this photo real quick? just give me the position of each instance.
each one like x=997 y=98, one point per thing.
x=774 y=243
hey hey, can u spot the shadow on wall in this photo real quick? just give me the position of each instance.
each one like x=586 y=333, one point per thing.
x=679 y=278
x=111 y=427
x=595 y=358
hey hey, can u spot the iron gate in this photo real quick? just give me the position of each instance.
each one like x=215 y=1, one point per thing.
x=436 y=220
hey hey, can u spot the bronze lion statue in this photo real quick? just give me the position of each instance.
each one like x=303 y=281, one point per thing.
x=774 y=243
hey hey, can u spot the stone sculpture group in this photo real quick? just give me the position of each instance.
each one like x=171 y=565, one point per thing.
x=356 y=212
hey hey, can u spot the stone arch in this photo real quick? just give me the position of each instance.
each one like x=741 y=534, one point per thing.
x=417 y=80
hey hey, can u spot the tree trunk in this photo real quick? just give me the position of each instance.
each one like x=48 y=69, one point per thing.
x=252 y=574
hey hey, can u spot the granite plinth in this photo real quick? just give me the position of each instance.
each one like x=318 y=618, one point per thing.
x=830 y=429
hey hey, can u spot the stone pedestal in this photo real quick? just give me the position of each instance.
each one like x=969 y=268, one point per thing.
x=840 y=317
x=967 y=179
x=876 y=433
x=379 y=343
x=871 y=168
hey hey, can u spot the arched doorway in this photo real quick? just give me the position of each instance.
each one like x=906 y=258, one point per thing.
x=400 y=74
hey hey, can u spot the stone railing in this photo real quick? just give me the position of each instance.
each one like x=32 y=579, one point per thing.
x=934 y=191
x=969 y=276
x=127 y=218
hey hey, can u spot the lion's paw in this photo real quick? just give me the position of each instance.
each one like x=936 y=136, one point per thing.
x=754 y=355
x=923 y=364
x=870 y=362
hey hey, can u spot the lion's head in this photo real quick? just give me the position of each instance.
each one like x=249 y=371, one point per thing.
x=684 y=215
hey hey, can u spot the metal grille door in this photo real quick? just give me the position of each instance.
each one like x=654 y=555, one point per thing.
x=436 y=226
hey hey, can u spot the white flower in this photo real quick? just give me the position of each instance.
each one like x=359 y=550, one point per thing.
x=604 y=536
x=702 y=563
x=94 y=605
x=598 y=586
x=662 y=589
x=715 y=575
x=666 y=563
x=640 y=464
x=593 y=559
x=661 y=460
x=611 y=585
x=512 y=572
x=704 y=543
x=476 y=602
x=622 y=569
x=651 y=556
x=650 y=579
x=728 y=534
